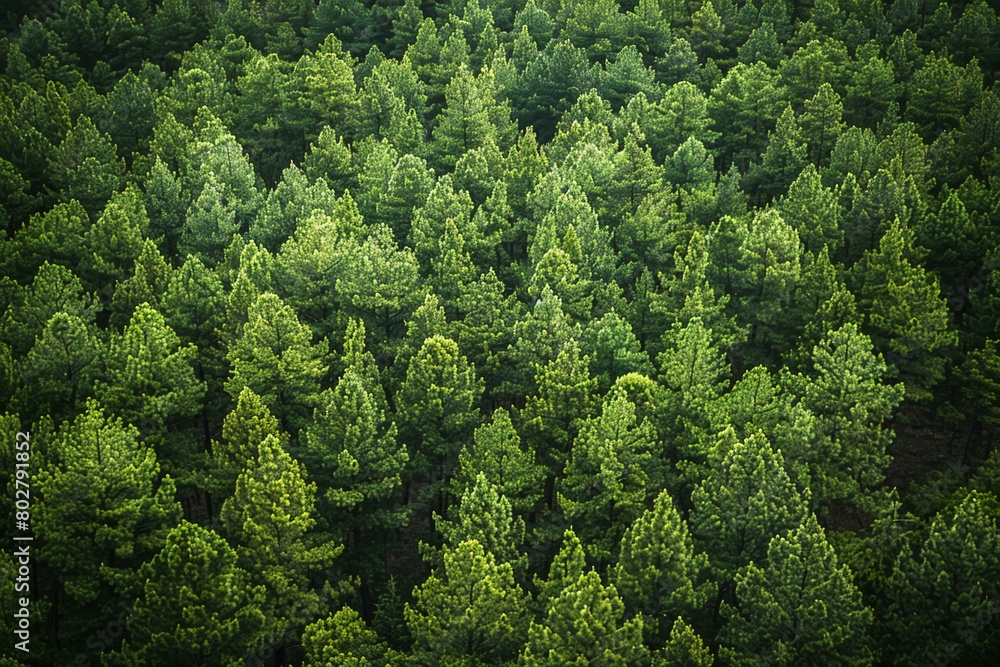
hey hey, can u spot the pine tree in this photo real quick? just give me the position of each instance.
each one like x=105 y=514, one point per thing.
x=148 y=283
x=407 y=189
x=582 y=624
x=149 y=378
x=813 y=212
x=744 y=106
x=352 y=452
x=770 y=271
x=684 y=649
x=801 y=608
x=566 y=397
x=209 y=225
x=694 y=369
x=614 y=351
x=940 y=599
x=822 y=122
x=344 y=639
x=114 y=242
x=243 y=430
x=277 y=359
x=54 y=289
x=498 y=453
x=214 y=618
x=470 y=608
x=104 y=509
x=568 y=565
x=907 y=317
x=746 y=500
x=762 y=45
x=851 y=401
x=658 y=573
x=60 y=369
x=559 y=273
x=437 y=406
x=485 y=515
x=611 y=473
x=464 y=123
x=380 y=285
x=269 y=517
x=781 y=162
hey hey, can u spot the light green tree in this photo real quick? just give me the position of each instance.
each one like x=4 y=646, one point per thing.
x=612 y=472
x=498 y=453
x=470 y=608
x=584 y=624
x=269 y=518
x=658 y=573
x=745 y=501
x=213 y=617
x=277 y=359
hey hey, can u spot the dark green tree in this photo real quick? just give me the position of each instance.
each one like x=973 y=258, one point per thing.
x=801 y=608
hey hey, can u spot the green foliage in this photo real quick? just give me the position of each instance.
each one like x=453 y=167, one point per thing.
x=469 y=608
x=908 y=319
x=746 y=500
x=214 y=617
x=712 y=264
x=801 y=608
x=269 y=517
x=498 y=453
x=343 y=639
x=947 y=579
x=105 y=510
x=276 y=358
x=610 y=474
x=658 y=572
x=582 y=624
x=437 y=401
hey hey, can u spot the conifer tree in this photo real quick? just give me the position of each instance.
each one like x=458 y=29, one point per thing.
x=485 y=515
x=498 y=453
x=941 y=597
x=344 y=639
x=277 y=359
x=566 y=397
x=801 y=608
x=60 y=369
x=582 y=624
x=352 y=452
x=611 y=473
x=104 y=509
x=214 y=617
x=746 y=500
x=851 y=401
x=438 y=406
x=470 y=608
x=658 y=572
x=149 y=378
x=907 y=317
x=243 y=429
x=269 y=518
x=684 y=649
